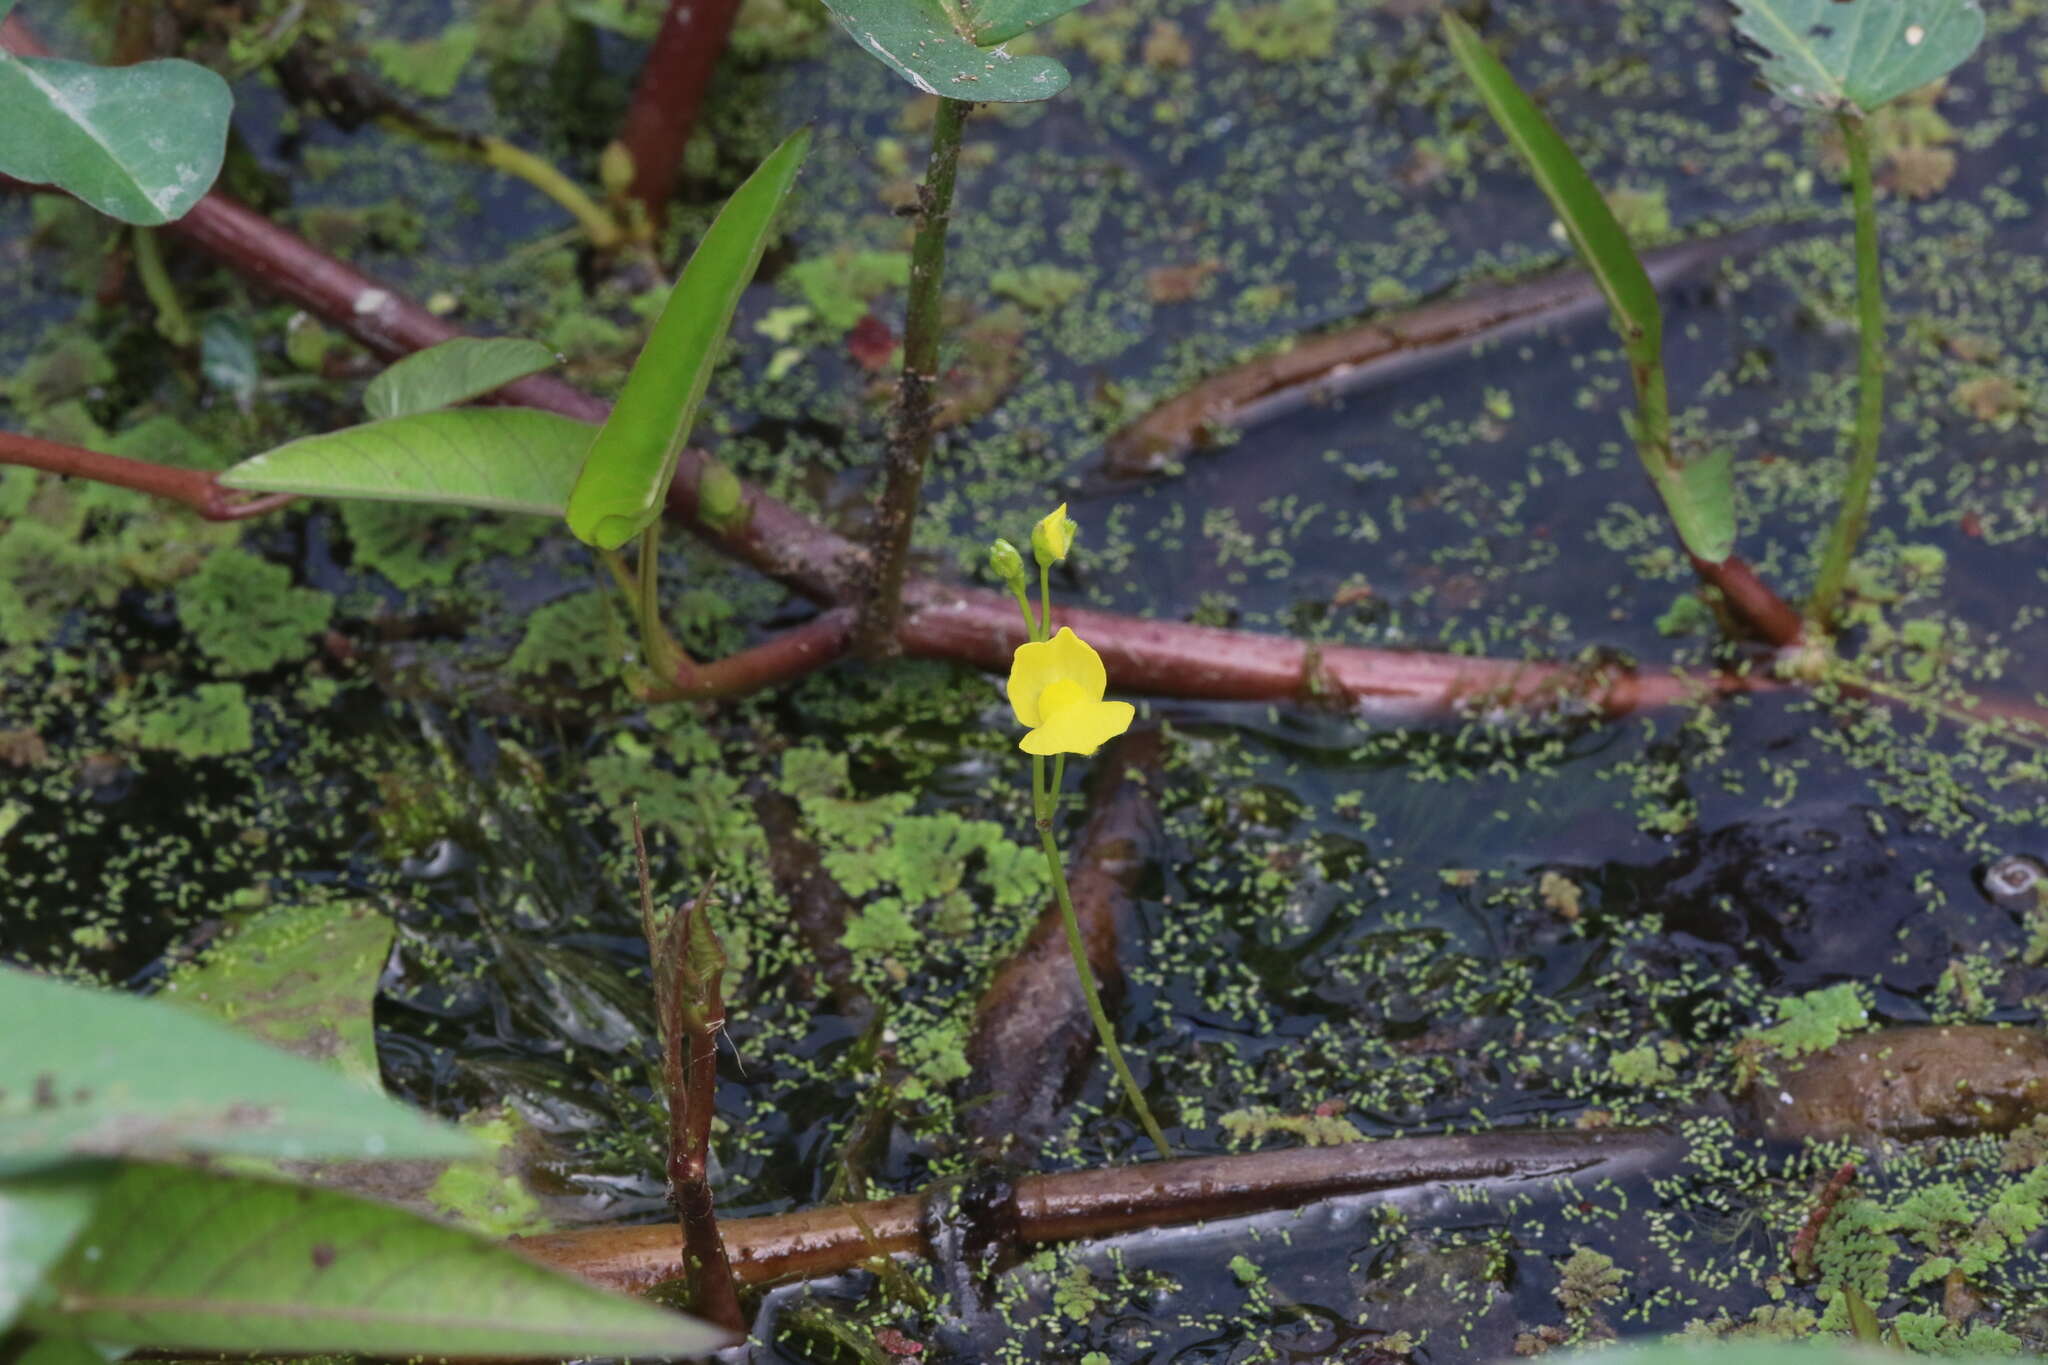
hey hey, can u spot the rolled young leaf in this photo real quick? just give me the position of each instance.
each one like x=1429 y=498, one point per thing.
x=630 y=464
x=455 y=371
x=500 y=459
x=205 y=1261
x=140 y=143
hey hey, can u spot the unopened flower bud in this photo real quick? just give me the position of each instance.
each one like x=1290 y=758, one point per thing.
x=1053 y=537
x=1006 y=564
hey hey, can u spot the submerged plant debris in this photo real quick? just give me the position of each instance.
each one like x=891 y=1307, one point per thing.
x=1527 y=920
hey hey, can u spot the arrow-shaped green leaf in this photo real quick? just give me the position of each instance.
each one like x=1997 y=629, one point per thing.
x=455 y=371
x=632 y=461
x=502 y=459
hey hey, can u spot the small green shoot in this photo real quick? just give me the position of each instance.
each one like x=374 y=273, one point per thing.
x=1699 y=494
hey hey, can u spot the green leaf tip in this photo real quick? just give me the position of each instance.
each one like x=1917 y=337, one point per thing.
x=1856 y=55
x=632 y=460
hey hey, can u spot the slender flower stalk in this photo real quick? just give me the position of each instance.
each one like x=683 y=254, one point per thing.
x=1056 y=687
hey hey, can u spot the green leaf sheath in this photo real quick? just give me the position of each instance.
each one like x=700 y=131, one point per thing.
x=501 y=459
x=114 y=1075
x=1698 y=496
x=140 y=143
x=204 y=1261
x=453 y=372
x=1832 y=54
x=942 y=52
x=626 y=474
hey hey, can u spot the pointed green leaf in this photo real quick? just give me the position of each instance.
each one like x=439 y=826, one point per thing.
x=453 y=372
x=632 y=461
x=64 y=1351
x=1827 y=54
x=39 y=1216
x=141 y=143
x=919 y=41
x=115 y=1075
x=503 y=459
x=1598 y=239
x=300 y=977
x=203 y=1261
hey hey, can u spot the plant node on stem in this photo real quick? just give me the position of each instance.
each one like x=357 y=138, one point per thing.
x=910 y=423
x=1849 y=522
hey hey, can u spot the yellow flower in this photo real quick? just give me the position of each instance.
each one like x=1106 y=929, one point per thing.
x=1053 y=537
x=1056 y=690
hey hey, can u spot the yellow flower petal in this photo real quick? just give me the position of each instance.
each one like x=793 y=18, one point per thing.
x=1033 y=668
x=1081 y=728
x=1053 y=536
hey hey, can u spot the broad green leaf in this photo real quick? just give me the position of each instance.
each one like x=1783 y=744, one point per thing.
x=997 y=21
x=39 y=1216
x=453 y=372
x=1598 y=239
x=141 y=143
x=1826 y=54
x=919 y=41
x=301 y=978
x=62 y=1351
x=632 y=461
x=204 y=1261
x=116 y=1075
x=504 y=459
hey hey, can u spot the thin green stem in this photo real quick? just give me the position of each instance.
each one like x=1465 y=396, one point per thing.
x=1024 y=605
x=1059 y=782
x=910 y=426
x=171 y=319
x=1044 y=628
x=1855 y=513
x=1041 y=804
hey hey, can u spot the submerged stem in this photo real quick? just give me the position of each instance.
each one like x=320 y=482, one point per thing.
x=1850 y=521
x=910 y=426
x=1042 y=807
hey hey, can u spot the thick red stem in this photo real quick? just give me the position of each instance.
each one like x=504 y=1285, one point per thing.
x=797 y=651
x=663 y=113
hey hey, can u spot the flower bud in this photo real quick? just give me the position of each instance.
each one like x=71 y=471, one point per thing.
x=1053 y=537
x=1006 y=564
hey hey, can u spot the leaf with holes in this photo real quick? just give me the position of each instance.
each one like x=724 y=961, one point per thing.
x=140 y=143
x=626 y=475
x=453 y=372
x=501 y=459
x=189 y=1260
x=963 y=58
x=111 y=1075
x=1832 y=54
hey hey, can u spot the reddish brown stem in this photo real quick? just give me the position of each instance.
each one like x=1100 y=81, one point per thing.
x=1751 y=600
x=800 y=650
x=1074 y=1205
x=673 y=79
x=194 y=488
x=688 y=964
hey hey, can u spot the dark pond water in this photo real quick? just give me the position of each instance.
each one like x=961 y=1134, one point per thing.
x=1482 y=923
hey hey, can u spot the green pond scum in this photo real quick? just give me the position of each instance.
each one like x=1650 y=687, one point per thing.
x=226 y=745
